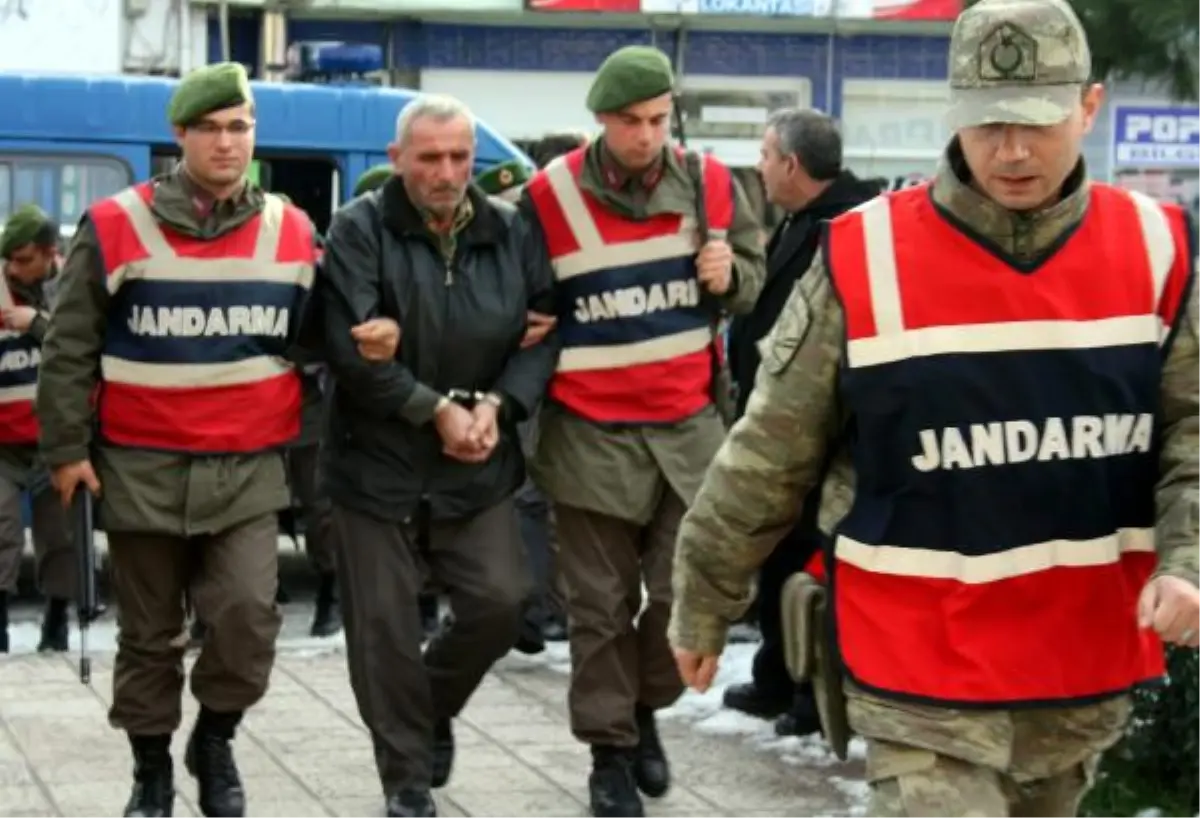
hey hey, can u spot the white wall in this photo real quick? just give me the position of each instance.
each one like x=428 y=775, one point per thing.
x=60 y=36
x=93 y=36
x=171 y=35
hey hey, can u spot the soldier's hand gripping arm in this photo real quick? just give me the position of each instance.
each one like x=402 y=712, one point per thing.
x=749 y=256
x=70 y=365
x=350 y=296
x=773 y=456
x=529 y=369
x=1170 y=602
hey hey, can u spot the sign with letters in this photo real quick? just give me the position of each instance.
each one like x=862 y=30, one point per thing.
x=1149 y=136
x=869 y=9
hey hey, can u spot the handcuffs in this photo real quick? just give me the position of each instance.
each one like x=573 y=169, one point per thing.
x=469 y=399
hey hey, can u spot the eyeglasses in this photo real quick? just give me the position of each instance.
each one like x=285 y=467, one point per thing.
x=238 y=127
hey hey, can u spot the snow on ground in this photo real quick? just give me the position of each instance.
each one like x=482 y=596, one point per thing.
x=704 y=713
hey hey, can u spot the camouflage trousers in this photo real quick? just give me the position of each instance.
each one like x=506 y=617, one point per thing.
x=945 y=762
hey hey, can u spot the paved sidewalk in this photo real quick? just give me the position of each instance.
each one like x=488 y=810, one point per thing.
x=304 y=752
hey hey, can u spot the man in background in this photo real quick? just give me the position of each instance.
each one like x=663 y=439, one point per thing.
x=802 y=174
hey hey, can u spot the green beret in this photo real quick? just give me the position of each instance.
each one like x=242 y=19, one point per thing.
x=373 y=178
x=629 y=75
x=208 y=89
x=500 y=178
x=22 y=227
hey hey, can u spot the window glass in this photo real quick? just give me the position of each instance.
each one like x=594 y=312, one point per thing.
x=63 y=186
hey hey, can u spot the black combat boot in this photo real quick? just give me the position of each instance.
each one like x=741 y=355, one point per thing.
x=529 y=638
x=755 y=701
x=411 y=804
x=612 y=786
x=429 y=614
x=56 y=627
x=652 y=771
x=801 y=719
x=554 y=629
x=196 y=634
x=443 y=752
x=3 y=621
x=327 y=618
x=153 y=793
x=209 y=760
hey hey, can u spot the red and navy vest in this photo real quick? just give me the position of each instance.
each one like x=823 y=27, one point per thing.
x=20 y=355
x=193 y=358
x=1005 y=434
x=637 y=343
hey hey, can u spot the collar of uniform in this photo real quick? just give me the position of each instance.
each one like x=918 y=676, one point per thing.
x=177 y=201
x=673 y=194
x=462 y=217
x=1023 y=235
x=617 y=177
x=477 y=220
x=204 y=202
x=30 y=294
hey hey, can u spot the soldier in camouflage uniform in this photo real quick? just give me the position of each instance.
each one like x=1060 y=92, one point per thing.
x=28 y=253
x=986 y=678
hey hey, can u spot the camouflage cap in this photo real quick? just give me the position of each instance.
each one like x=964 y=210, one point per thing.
x=1020 y=62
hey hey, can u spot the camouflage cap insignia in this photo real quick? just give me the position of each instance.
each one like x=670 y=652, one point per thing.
x=1008 y=54
x=506 y=177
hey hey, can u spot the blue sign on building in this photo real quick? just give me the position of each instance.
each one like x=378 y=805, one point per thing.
x=1156 y=137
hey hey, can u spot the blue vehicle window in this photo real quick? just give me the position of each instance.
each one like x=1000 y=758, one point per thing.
x=63 y=186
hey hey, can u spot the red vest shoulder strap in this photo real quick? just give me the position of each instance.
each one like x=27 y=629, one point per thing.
x=102 y=212
x=296 y=239
x=1169 y=241
x=1182 y=278
x=574 y=160
x=718 y=193
x=115 y=233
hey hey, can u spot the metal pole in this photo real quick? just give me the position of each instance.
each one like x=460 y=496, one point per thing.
x=223 y=26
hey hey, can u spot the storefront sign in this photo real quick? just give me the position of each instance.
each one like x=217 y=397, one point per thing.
x=868 y=9
x=623 y=6
x=1156 y=137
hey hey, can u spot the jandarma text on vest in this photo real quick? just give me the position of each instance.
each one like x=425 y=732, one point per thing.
x=1018 y=441
x=13 y=360
x=192 y=322
x=630 y=302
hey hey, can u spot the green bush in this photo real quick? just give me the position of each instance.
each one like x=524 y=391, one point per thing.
x=1157 y=764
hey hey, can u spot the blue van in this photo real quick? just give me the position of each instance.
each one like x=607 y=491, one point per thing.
x=66 y=142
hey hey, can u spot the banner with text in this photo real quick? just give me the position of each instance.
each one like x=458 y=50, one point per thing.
x=1146 y=136
x=863 y=9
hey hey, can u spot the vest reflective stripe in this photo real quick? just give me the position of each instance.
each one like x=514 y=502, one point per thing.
x=1005 y=452
x=637 y=342
x=198 y=329
x=20 y=355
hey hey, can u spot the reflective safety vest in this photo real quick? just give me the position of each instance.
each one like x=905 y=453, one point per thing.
x=20 y=355
x=638 y=345
x=1006 y=427
x=193 y=356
